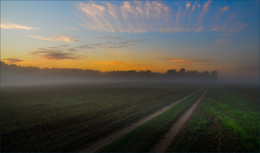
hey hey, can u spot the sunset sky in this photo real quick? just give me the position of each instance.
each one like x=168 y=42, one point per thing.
x=134 y=35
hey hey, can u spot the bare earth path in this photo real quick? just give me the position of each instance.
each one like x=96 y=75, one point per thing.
x=166 y=141
x=109 y=139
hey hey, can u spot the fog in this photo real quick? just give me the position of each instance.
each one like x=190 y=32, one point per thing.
x=11 y=80
x=13 y=75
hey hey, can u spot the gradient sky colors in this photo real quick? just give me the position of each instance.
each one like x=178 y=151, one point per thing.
x=134 y=35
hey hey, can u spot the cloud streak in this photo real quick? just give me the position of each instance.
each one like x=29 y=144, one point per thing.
x=54 y=38
x=51 y=54
x=222 y=11
x=149 y=16
x=205 y=9
x=12 y=60
x=107 y=42
x=6 y=25
x=229 y=27
x=120 y=44
x=111 y=43
x=194 y=6
x=188 y=4
x=129 y=17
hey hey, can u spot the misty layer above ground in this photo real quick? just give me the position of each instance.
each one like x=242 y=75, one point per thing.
x=13 y=75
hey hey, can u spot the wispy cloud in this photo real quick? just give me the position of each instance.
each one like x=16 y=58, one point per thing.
x=194 y=6
x=222 y=10
x=148 y=16
x=177 y=60
x=121 y=44
x=108 y=42
x=229 y=27
x=54 y=54
x=54 y=38
x=188 y=4
x=236 y=27
x=12 y=60
x=134 y=16
x=115 y=42
x=9 y=25
x=61 y=48
x=205 y=9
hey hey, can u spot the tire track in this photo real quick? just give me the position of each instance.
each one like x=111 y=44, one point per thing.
x=169 y=136
x=107 y=140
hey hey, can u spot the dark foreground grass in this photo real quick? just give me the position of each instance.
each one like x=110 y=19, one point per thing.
x=227 y=120
x=145 y=136
x=65 y=118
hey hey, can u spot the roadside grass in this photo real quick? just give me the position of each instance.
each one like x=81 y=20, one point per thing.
x=65 y=118
x=145 y=136
x=226 y=120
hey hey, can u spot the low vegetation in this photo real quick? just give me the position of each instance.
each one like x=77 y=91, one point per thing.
x=226 y=120
x=65 y=118
x=145 y=136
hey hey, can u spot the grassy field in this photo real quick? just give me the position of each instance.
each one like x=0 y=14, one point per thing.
x=228 y=119
x=145 y=136
x=71 y=117
x=65 y=118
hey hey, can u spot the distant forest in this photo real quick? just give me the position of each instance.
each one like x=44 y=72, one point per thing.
x=13 y=73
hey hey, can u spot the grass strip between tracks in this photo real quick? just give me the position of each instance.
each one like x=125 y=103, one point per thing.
x=145 y=136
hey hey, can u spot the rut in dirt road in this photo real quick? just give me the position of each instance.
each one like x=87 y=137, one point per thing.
x=168 y=138
x=109 y=139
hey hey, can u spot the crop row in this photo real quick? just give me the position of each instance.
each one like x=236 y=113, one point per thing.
x=65 y=118
x=226 y=120
x=145 y=136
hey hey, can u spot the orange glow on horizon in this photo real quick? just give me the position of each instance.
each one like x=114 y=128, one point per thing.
x=106 y=66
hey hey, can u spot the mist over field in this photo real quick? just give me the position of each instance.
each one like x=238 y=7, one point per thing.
x=13 y=75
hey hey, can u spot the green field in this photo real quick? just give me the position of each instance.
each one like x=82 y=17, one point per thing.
x=66 y=118
x=145 y=136
x=228 y=119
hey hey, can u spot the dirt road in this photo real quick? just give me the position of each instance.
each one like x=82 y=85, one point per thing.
x=122 y=132
x=166 y=141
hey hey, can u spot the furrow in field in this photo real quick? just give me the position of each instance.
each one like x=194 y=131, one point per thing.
x=226 y=120
x=109 y=139
x=168 y=138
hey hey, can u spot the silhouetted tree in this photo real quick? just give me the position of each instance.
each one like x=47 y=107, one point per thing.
x=182 y=72
x=214 y=75
x=171 y=72
x=13 y=70
x=205 y=74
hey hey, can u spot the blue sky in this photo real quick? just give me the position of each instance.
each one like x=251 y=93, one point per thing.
x=123 y=35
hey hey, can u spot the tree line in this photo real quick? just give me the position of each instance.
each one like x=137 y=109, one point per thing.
x=13 y=69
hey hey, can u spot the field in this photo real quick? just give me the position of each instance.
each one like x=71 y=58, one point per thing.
x=68 y=118
x=228 y=119
x=145 y=136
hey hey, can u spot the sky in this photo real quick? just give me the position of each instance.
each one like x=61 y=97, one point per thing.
x=203 y=35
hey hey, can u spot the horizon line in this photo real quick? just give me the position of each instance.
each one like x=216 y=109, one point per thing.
x=41 y=68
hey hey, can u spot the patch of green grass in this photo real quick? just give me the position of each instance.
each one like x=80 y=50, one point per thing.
x=145 y=136
x=232 y=119
x=64 y=118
